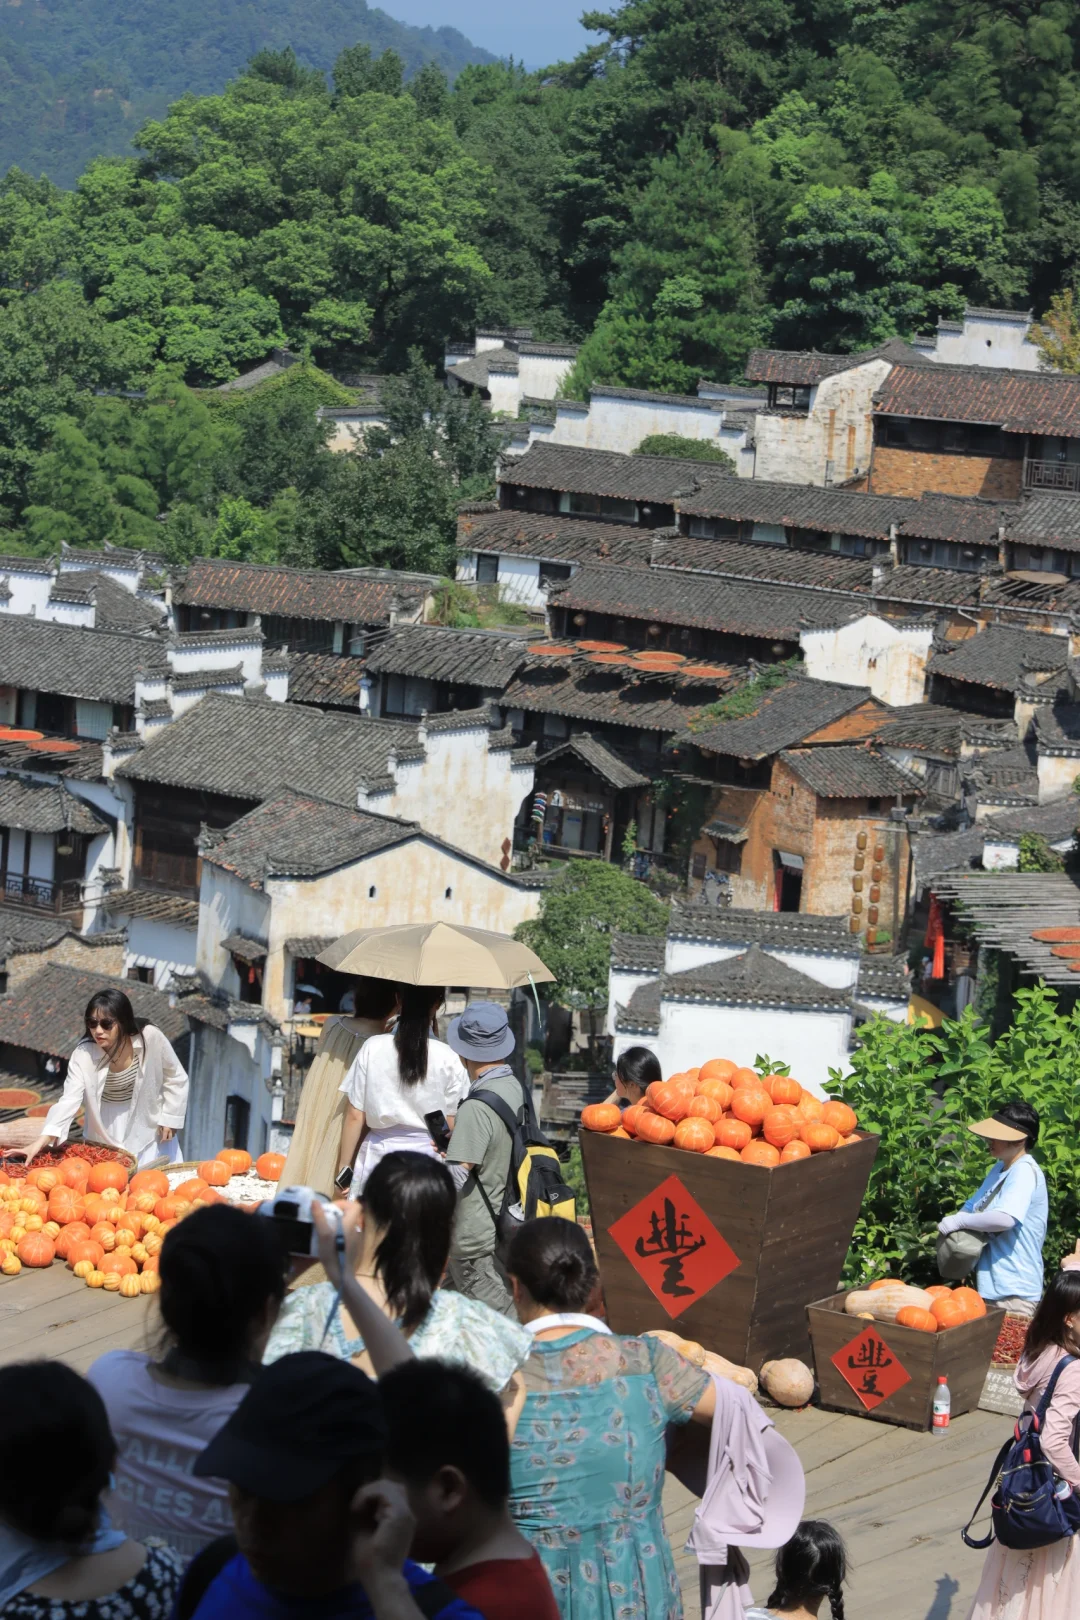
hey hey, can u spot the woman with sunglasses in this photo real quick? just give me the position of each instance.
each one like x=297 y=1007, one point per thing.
x=128 y=1080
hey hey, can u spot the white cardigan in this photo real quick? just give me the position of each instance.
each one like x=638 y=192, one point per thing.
x=159 y=1098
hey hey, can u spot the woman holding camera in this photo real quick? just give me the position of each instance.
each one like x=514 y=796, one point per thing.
x=130 y=1082
x=222 y=1283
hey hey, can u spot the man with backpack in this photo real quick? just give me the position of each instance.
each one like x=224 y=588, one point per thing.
x=504 y=1169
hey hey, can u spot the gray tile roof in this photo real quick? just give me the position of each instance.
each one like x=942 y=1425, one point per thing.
x=208 y=680
x=1055 y=822
x=968 y=522
x=753 y=979
x=1045 y=520
x=600 y=758
x=938 y=852
x=1000 y=657
x=1058 y=729
x=248 y=748
x=641 y=1015
x=23 y=930
x=801 y=367
x=309 y=945
x=46 y=808
x=324 y=678
x=45 y=1013
x=154 y=905
x=737 y=559
x=95 y=664
x=783 y=718
x=475 y=370
x=485 y=658
x=355 y=596
x=603 y=472
x=249 y=950
x=656 y=397
x=1017 y=401
x=803 y=506
x=606 y=697
x=776 y=612
x=115 y=607
x=1009 y=909
x=298 y=835
x=787 y=930
x=884 y=978
x=1005 y=776
x=851 y=773
x=638 y=953
x=552 y=538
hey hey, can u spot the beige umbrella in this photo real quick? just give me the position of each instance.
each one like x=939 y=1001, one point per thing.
x=437 y=954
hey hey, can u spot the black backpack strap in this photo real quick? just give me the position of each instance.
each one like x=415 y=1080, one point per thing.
x=500 y=1109
x=980 y=1542
x=506 y=1116
x=200 y=1574
x=433 y=1597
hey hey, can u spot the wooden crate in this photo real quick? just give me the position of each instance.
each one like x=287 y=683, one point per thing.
x=789 y=1228
x=962 y=1353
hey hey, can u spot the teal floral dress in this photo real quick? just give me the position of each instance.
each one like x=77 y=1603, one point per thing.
x=587 y=1471
x=455 y=1329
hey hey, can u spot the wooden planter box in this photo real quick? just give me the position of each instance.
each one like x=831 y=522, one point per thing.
x=779 y=1237
x=962 y=1353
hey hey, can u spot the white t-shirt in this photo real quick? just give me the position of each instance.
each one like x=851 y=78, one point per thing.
x=374 y=1084
x=159 y=1431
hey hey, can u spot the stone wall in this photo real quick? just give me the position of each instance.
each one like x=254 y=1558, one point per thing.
x=72 y=951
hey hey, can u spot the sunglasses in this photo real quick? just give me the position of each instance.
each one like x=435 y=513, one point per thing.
x=101 y=1023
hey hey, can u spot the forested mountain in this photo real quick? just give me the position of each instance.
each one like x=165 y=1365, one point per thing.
x=78 y=77
x=710 y=175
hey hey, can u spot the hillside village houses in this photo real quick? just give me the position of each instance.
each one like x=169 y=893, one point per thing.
x=811 y=693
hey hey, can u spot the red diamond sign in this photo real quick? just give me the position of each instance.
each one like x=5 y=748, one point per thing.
x=873 y=1370
x=673 y=1246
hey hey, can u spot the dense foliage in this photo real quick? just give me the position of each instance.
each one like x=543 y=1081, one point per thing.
x=578 y=915
x=918 y=1089
x=80 y=76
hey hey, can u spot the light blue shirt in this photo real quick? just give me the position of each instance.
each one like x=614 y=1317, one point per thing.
x=1012 y=1265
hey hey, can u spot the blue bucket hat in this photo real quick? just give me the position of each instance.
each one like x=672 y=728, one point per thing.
x=482 y=1032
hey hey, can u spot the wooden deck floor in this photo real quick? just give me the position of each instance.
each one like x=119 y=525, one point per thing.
x=50 y=1313
x=898 y=1498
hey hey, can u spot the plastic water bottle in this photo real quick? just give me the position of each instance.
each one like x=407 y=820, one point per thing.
x=942 y=1405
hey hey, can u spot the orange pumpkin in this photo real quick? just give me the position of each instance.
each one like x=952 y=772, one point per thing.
x=237 y=1160
x=630 y=1118
x=150 y=1181
x=794 y=1150
x=667 y=1099
x=935 y=1292
x=722 y=1153
x=948 y=1312
x=842 y=1118
x=44 y=1179
x=596 y=1117
x=216 y=1174
x=779 y=1127
x=717 y=1089
x=655 y=1128
x=107 y=1174
x=270 y=1165
x=819 y=1138
x=694 y=1135
x=33 y=1201
x=166 y=1209
x=75 y=1172
x=188 y=1191
x=85 y=1249
x=73 y=1232
x=717 y=1069
x=762 y=1153
x=732 y=1133
x=623 y=1136
x=705 y=1108
x=122 y=1264
x=151 y=1263
x=105 y=1234
x=36 y=1250
x=811 y=1107
x=751 y=1105
x=745 y=1077
x=692 y=1074
x=972 y=1301
x=849 y=1141
x=782 y=1089
x=66 y=1205
x=892 y=1282
x=913 y=1316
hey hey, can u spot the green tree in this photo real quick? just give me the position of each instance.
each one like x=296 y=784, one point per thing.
x=1057 y=335
x=578 y=915
x=676 y=444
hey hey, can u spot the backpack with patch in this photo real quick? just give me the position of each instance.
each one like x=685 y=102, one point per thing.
x=1032 y=1506
x=534 y=1185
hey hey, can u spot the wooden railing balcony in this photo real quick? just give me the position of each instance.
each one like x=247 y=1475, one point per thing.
x=1063 y=476
x=41 y=894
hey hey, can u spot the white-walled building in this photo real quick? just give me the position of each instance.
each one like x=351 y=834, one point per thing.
x=889 y=656
x=985 y=337
x=506 y=368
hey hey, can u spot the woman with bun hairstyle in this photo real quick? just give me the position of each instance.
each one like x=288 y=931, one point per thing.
x=60 y=1557
x=588 y=1455
x=126 y=1076
x=811 y=1567
x=222 y=1283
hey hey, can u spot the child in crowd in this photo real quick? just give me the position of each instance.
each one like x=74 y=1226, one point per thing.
x=809 y=1569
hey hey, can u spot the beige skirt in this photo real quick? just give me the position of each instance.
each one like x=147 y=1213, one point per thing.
x=313 y=1153
x=1040 y=1585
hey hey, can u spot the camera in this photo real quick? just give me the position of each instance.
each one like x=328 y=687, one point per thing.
x=290 y=1212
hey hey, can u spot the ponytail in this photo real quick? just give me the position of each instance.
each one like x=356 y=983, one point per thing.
x=418 y=1004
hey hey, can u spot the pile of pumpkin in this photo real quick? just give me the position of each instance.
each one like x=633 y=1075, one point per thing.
x=109 y=1228
x=928 y=1310
x=728 y=1112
